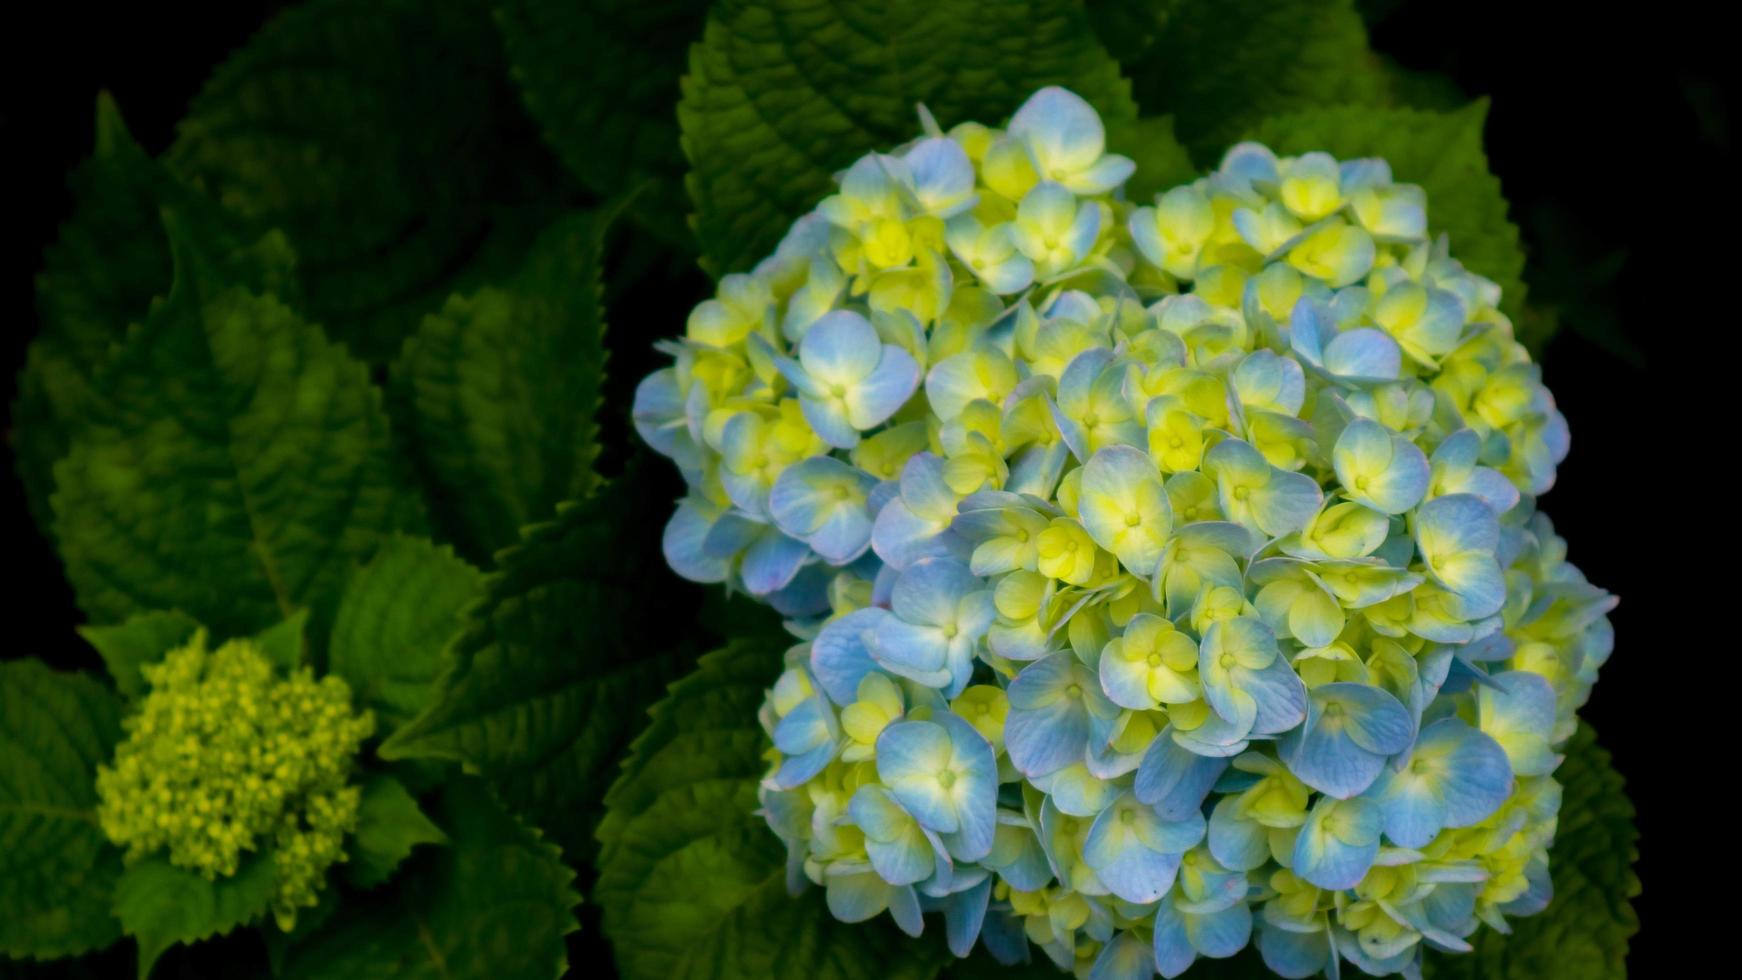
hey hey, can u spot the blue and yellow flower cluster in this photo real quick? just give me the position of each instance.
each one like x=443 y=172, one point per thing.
x=1168 y=572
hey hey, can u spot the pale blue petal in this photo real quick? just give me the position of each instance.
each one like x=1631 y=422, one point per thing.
x=683 y=542
x=879 y=395
x=829 y=419
x=929 y=591
x=1364 y=353
x=841 y=347
x=1237 y=843
x=1174 y=953
x=839 y=658
x=910 y=754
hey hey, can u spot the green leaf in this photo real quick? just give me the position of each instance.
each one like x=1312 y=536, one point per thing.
x=783 y=94
x=608 y=113
x=386 y=140
x=109 y=262
x=1221 y=65
x=161 y=905
x=285 y=644
x=1441 y=151
x=1162 y=160
x=389 y=825
x=235 y=468
x=577 y=633
x=396 y=617
x=1583 y=933
x=136 y=641
x=57 y=870
x=496 y=902
x=497 y=392
x=691 y=881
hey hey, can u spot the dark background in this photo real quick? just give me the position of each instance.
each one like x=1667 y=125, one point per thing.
x=1610 y=135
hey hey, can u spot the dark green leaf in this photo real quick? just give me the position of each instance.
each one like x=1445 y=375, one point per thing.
x=600 y=78
x=1441 y=151
x=285 y=644
x=389 y=825
x=57 y=870
x=577 y=633
x=236 y=467
x=782 y=94
x=691 y=880
x=161 y=905
x=497 y=393
x=1221 y=65
x=386 y=140
x=397 y=616
x=496 y=902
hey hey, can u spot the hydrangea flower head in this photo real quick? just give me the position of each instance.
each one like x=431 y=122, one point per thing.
x=223 y=758
x=1167 y=573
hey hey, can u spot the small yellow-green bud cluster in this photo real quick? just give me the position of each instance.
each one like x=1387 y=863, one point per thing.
x=223 y=757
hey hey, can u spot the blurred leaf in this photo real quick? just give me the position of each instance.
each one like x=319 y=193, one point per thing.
x=161 y=905
x=495 y=902
x=601 y=77
x=57 y=869
x=386 y=140
x=1441 y=151
x=136 y=641
x=783 y=94
x=389 y=825
x=497 y=393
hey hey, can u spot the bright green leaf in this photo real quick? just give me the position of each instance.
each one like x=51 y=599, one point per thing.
x=109 y=262
x=57 y=870
x=395 y=619
x=692 y=882
x=577 y=633
x=389 y=825
x=496 y=902
x=161 y=905
x=607 y=113
x=384 y=137
x=783 y=94
x=1583 y=933
x=1441 y=151
x=496 y=394
x=235 y=469
x=136 y=641
x=1221 y=65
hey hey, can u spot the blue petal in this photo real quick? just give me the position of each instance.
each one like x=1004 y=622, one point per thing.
x=685 y=535
x=976 y=790
x=1365 y=354
x=1125 y=958
x=910 y=754
x=1220 y=935
x=1174 y=780
x=1174 y=953
x=1295 y=955
x=1337 y=845
x=1237 y=843
x=1121 y=857
x=839 y=657
x=772 y=562
x=964 y=913
x=930 y=591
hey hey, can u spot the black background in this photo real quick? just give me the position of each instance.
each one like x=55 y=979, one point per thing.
x=1611 y=137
